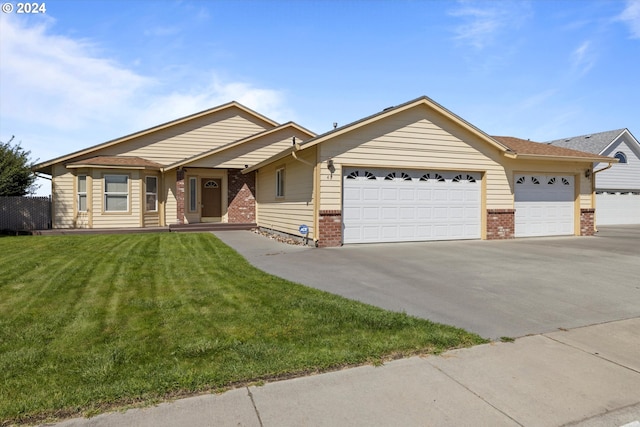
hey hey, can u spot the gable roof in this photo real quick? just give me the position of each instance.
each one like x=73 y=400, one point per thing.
x=592 y=142
x=528 y=149
x=45 y=167
x=236 y=143
x=387 y=112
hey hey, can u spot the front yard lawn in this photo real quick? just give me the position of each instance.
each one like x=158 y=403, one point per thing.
x=93 y=322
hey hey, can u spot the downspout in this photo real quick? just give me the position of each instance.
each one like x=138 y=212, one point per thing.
x=296 y=147
x=593 y=192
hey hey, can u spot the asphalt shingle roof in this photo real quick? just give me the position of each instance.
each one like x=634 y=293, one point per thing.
x=522 y=146
x=117 y=161
x=591 y=142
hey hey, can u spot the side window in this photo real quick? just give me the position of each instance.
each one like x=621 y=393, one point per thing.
x=152 y=193
x=82 y=193
x=193 y=194
x=280 y=182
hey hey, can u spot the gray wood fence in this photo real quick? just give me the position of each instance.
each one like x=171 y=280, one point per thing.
x=25 y=213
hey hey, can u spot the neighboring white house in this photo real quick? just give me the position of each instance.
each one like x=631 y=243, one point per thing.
x=618 y=187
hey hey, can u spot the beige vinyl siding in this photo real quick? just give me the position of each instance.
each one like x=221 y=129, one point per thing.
x=414 y=139
x=188 y=139
x=64 y=198
x=131 y=218
x=252 y=152
x=296 y=208
x=169 y=197
x=151 y=220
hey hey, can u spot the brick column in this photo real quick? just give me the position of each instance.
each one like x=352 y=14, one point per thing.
x=587 y=226
x=242 y=197
x=180 y=195
x=330 y=228
x=501 y=224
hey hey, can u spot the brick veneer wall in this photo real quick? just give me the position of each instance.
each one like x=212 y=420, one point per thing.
x=180 y=195
x=330 y=228
x=501 y=224
x=242 y=197
x=587 y=226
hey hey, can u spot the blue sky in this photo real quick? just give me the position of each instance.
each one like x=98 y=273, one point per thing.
x=85 y=72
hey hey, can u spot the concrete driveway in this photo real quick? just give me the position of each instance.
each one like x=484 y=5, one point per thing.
x=494 y=288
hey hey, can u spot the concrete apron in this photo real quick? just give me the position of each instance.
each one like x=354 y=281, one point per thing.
x=588 y=376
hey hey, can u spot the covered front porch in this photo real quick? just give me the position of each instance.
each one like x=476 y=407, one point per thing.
x=213 y=195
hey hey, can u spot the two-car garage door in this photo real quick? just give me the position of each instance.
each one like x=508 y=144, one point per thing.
x=390 y=205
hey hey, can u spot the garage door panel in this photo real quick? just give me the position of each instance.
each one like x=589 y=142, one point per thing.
x=544 y=205
x=410 y=205
x=618 y=208
x=369 y=194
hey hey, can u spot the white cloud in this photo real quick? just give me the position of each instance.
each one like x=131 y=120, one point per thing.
x=483 y=21
x=583 y=58
x=631 y=15
x=56 y=88
x=57 y=81
x=203 y=96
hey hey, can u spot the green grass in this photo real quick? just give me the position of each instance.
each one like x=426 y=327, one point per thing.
x=89 y=323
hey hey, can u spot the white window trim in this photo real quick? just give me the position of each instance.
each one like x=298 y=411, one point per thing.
x=115 y=193
x=82 y=193
x=280 y=182
x=148 y=193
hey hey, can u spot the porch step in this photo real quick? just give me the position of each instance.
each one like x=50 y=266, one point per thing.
x=215 y=226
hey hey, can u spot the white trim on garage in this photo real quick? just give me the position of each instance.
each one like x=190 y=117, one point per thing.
x=544 y=205
x=396 y=205
x=617 y=207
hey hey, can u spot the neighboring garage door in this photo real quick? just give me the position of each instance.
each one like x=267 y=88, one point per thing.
x=615 y=208
x=389 y=205
x=544 y=205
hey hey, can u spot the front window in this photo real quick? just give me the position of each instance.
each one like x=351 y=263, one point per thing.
x=152 y=193
x=280 y=182
x=116 y=193
x=193 y=182
x=82 y=193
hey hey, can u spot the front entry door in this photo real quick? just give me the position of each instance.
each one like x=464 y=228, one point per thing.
x=211 y=198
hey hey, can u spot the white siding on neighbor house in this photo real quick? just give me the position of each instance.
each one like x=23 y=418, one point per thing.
x=63 y=196
x=131 y=218
x=296 y=208
x=621 y=176
x=252 y=152
x=190 y=138
x=415 y=139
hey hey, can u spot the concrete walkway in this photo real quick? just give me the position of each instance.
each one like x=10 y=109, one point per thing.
x=587 y=376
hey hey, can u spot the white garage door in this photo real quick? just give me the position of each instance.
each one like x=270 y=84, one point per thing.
x=617 y=208
x=384 y=205
x=544 y=205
